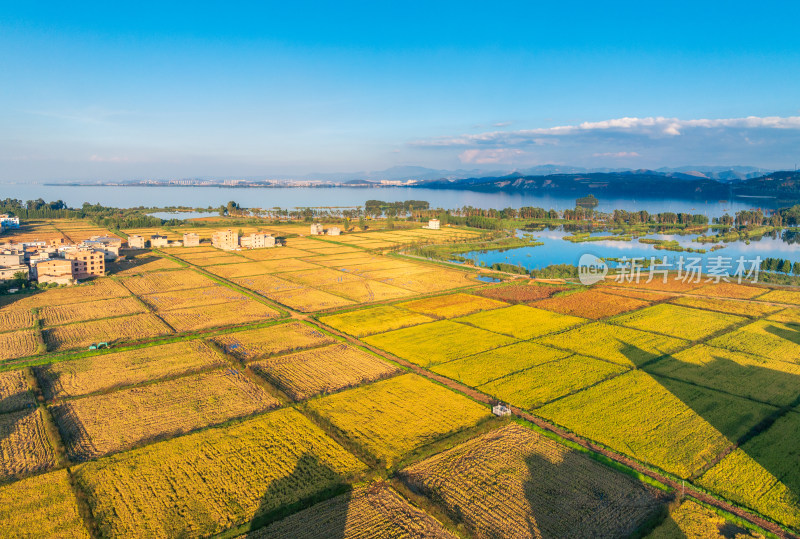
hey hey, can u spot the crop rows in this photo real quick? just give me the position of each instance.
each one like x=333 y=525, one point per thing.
x=181 y=299
x=16 y=344
x=374 y=510
x=690 y=519
x=92 y=310
x=378 y=319
x=393 y=417
x=521 y=321
x=106 y=423
x=309 y=299
x=221 y=314
x=514 y=483
x=215 y=479
x=258 y=343
x=77 y=377
x=11 y=319
x=111 y=330
x=322 y=370
x=452 y=305
x=151 y=283
x=23 y=444
x=14 y=392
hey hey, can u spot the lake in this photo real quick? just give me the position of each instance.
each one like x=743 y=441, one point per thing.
x=293 y=197
x=559 y=251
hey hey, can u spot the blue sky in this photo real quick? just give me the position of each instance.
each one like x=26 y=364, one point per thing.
x=138 y=89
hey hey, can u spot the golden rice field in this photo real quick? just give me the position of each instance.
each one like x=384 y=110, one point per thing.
x=277 y=253
x=677 y=321
x=93 y=291
x=230 y=271
x=14 y=392
x=391 y=418
x=690 y=519
x=590 y=303
x=672 y=285
x=791 y=297
x=41 y=506
x=111 y=422
x=218 y=315
x=218 y=260
x=763 y=473
x=647 y=412
x=111 y=330
x=181 y=299
x=730 y=290
x=521 y=321
x=437 y=342
x=320 y=276
x=76 y=377
x=267 y=285
x=90 y=310
x=374 y=510
x=343 y=260
x=309 y=300
x=378 y=319
x=645 y=295
x=452 y=305
x=143 y=264
x=12 y=319
x=767 y=380
x=303 y=375
x=16 y=344
x=789 y=315
x=484 y=367
x=263 y=342
x=436 y=280
x=619 y=344
x=764 y=338
x=513 y=482
x=544 y=383
x=743 y=308
x=522 y=292
x=366 y=291
x=157 y=282
x=227 y=477
x=24 y=444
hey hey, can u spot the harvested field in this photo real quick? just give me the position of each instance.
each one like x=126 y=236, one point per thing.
x=222 y=314
x=92 y=374
x=16 y=344
x=41 y=506
x=437 y=342
x=181 y=299
x=521 y=321
x=374 y=510
x=431 y=281
x=690 y=519
x=14 y=392
x=452 y=305
x=482 y=368
x=320 y=276
x=92 y=310
x=143 y=264
x=263 y=342
x=544 y=383
x=730 y=290
x=677 y=321
x=521 y=293
x=157 y=282
x=364 y=291
x=391 y=418
x=111 y=422
x=743 y=308
x=99 y=289
x=513 y=482
x=12 y=319
x=615 y=343
x=24 y=444
x=590 y=304
x=791 y=297
x=646 y=412
x=763 y=474
x=765 y=338
x=276 y=253
x=229 y=476
x=379 y=319
x=303 y=375
x=259 y=268
x=218 y=260
x=767 y=380
x=137 y=327
x=266 y=285
x=310 y=300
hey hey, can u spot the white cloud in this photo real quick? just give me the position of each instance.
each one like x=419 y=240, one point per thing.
x=616 y=154
x=483 y=157
x=652 y=127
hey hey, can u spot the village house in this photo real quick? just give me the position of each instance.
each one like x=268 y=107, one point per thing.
x=86 y=263
x=157 y=240
x=55 y=270
x=136 y=241
x=316 y=229
x=434 y=224
x=227 y=240
x=334 y=231
x=107 y=245
x=257 y=240
x=191 y=239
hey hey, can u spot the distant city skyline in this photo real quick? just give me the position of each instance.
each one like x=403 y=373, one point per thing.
x=100 y=91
